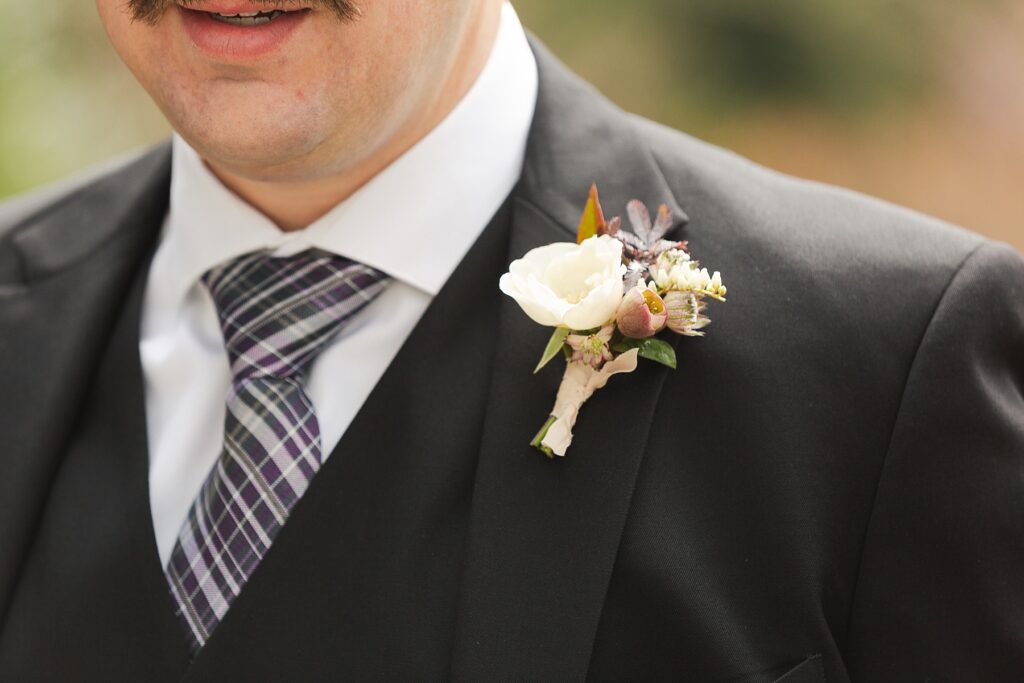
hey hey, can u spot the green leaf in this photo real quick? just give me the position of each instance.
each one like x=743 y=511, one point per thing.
x=555 y=345
x=659 y=351
x=652 y=349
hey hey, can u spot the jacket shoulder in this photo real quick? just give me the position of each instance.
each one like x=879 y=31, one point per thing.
x=855 y=273
x=731 y=195
x=47 y=229
x=25 y=207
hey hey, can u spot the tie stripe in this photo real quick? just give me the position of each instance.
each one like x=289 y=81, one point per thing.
x=276 y=315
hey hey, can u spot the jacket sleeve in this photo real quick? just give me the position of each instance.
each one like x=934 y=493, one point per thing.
x=940 y=591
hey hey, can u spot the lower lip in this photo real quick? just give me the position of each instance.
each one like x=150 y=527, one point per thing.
x=226 y=42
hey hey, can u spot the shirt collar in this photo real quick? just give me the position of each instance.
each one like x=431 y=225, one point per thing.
x=415 y=220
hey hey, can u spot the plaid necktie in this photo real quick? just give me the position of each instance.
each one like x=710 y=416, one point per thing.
x=276 y=315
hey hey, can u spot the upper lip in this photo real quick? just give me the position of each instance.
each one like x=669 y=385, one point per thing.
x=230 y=7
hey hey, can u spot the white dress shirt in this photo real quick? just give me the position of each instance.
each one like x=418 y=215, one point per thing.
x=415 y=221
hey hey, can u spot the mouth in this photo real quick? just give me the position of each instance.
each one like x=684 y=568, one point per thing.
x=247 y=18
x=240 y=30
x=239 y=12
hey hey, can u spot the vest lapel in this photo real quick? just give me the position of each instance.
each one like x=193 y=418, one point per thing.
x=362 y=582
x=543 y=534
x=77 y=260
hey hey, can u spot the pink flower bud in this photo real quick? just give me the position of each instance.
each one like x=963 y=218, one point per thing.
x=641 y=314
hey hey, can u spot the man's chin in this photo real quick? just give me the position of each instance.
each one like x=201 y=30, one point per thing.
x=259 y=153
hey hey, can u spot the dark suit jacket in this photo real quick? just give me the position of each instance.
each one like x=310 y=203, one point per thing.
x=831 y=484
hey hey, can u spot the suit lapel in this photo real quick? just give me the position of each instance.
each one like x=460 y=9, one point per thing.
x=75 y=263
x=543 y=534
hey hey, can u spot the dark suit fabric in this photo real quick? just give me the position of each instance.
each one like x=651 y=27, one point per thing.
x=91 y=601
x=829 y=487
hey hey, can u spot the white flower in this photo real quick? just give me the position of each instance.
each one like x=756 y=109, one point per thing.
x=686 y=276
x=671 y=258
x=578 y=286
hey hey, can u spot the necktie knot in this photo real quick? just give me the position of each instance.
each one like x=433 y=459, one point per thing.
x=277 y=313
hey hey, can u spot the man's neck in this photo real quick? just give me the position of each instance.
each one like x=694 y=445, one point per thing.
x=293 y=205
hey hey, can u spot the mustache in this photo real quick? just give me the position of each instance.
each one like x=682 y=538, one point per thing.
x=150 y=11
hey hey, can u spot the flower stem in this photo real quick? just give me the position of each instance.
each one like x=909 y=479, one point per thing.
x=536 y=443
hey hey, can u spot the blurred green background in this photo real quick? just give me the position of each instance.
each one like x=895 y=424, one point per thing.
x=917 y=101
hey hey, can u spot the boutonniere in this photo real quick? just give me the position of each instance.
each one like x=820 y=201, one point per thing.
x=608 y=297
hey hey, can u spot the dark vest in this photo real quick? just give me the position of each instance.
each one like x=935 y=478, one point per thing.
x=364 y=577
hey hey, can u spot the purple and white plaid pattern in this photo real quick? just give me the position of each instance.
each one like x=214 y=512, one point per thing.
x=276 y=315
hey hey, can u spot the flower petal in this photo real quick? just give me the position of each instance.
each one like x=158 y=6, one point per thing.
x=578 y=286
x=597 y=308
